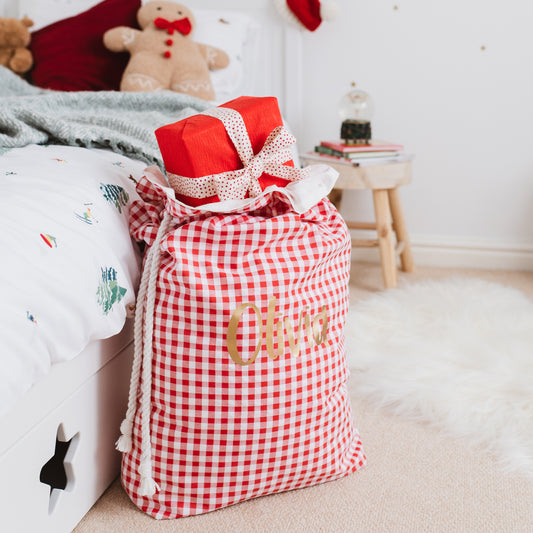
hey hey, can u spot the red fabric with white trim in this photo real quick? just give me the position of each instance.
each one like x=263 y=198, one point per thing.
x=200 y=145
x=223 y=432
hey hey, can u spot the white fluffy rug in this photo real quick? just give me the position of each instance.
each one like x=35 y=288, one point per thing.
x=457 y=354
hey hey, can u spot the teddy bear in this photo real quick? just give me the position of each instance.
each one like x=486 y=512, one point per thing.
x=14 y=40
x=163 y=55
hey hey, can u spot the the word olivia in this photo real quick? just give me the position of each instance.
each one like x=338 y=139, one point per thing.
x=276 y=329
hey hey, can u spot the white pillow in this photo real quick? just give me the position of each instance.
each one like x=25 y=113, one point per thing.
x=235 y=33
x=45 y=12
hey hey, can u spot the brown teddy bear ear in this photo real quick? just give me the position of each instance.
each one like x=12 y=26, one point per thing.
x=27 y=22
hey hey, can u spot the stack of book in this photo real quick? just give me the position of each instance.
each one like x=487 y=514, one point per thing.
x=377 y=152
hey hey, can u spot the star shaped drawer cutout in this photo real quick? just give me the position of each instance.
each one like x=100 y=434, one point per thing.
x=58 y=470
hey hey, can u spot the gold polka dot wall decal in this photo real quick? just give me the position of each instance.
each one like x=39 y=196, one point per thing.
x=396 y=8
x=482 y=47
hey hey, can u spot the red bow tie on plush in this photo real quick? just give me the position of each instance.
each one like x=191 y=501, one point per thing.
x=182 y=25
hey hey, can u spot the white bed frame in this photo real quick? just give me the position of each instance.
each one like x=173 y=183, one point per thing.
x=83 y=401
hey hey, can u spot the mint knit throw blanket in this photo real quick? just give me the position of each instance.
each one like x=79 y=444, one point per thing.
x=121 y=121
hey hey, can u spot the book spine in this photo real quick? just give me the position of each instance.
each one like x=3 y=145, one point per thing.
x=331 y=151
x=344 y=149
x=376 y=146
x=325 y=158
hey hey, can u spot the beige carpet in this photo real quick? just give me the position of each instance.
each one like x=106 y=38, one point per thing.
x=416 y=480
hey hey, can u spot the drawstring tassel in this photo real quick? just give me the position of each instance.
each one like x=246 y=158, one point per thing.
x=124 y=442
x=148 y=486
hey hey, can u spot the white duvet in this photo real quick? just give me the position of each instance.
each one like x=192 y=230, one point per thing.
x=68 y=267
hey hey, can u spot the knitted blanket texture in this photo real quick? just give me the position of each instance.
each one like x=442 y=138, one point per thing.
x=121 y=121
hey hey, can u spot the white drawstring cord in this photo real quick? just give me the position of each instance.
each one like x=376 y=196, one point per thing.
x=143 y=354
x=124 y=443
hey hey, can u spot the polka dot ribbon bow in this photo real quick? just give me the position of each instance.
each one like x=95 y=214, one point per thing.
x=236 y=184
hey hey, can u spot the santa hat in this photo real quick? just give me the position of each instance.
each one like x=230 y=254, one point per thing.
x=307 y=13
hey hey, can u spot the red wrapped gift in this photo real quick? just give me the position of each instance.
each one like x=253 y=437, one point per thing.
x=232 y=151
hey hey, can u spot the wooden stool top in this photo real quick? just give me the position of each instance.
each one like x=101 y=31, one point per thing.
x=379 y=176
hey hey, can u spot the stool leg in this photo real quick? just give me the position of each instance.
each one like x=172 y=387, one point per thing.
x=386 y=245
x=400 y=228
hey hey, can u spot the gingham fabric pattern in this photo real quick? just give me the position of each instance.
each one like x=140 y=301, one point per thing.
x=248 y=394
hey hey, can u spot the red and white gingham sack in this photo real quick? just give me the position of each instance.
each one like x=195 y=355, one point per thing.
x=241 y=387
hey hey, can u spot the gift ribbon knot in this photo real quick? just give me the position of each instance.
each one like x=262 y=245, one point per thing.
x=237 y=184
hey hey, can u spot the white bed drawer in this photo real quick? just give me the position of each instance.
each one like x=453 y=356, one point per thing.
x=91 y=417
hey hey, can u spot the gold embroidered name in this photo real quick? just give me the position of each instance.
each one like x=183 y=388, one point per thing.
x=314 y=329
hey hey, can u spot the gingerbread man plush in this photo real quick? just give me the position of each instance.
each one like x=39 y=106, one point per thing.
x=163 y=55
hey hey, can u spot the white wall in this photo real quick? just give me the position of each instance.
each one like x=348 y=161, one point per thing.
x=453 y=82
x=465 y=112
x=8 y=8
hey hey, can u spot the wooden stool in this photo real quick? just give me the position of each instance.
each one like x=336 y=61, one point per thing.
x=384 y=181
